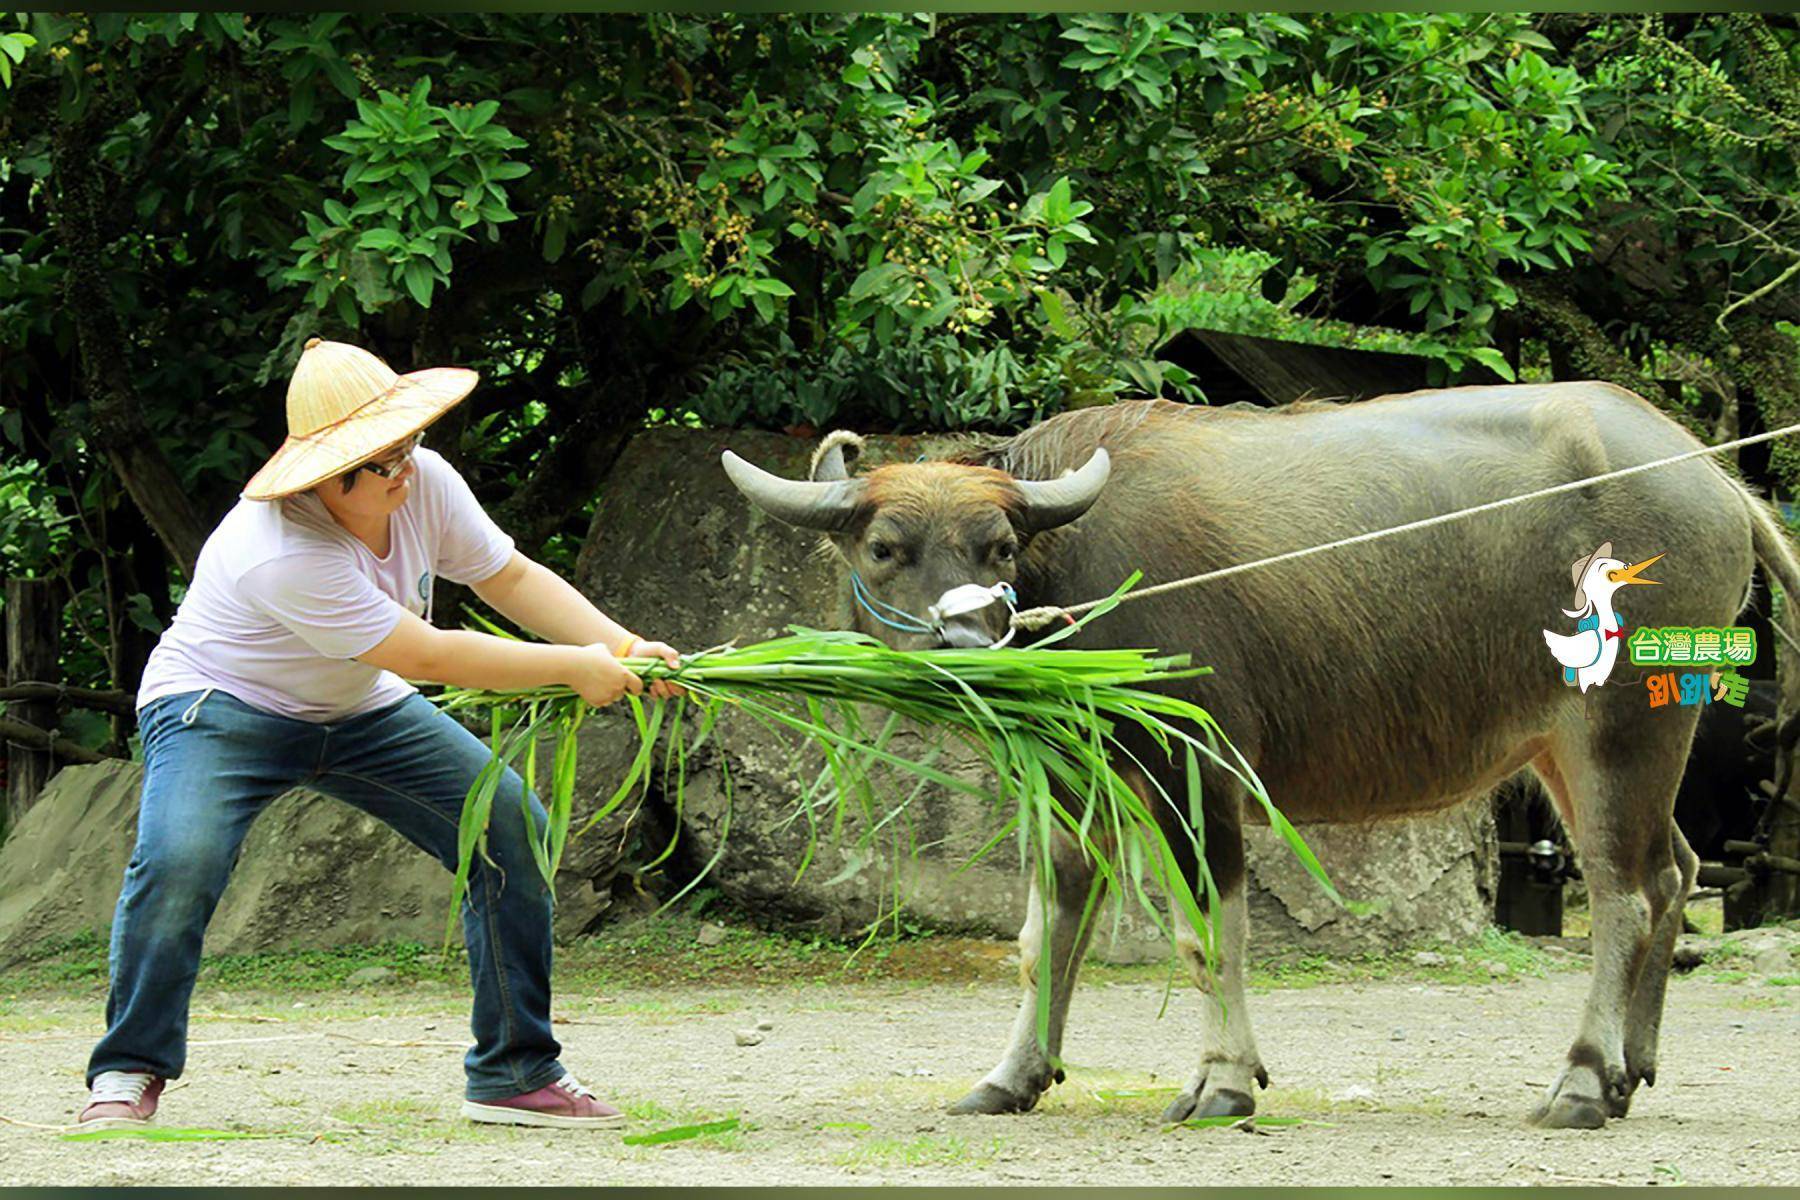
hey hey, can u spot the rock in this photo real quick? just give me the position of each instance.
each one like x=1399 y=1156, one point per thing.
x=1690 y=952
x=765 y=1024
x=675 y=549
x=1356 y=1091
x=1429 y=958
x=690 y=561
x=369 y=976
x=1496 y=968
x=1773 y=961
x=314 y=873
x=1399 y=1035
x=749 y=1037
x=710 y=934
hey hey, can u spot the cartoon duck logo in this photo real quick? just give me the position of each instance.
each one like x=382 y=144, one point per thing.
x=1588 y=656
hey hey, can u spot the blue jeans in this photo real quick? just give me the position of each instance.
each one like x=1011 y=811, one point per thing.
x=212 y=763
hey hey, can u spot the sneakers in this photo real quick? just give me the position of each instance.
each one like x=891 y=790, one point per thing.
x=127 y=1100
x=564 y=1104
x=121 y=1100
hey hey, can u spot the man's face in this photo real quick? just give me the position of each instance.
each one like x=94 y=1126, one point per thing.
x=363 y=492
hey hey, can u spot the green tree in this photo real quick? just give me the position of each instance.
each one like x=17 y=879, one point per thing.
x=878 y=220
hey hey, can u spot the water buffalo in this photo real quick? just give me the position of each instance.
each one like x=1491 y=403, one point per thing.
x=1395 y=677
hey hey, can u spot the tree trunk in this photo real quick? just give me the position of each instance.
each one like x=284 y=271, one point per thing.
x=1579 y=347
x=33 y=652
x=105 y=352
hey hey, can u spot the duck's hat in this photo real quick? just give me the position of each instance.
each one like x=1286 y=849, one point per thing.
x=1580 y=569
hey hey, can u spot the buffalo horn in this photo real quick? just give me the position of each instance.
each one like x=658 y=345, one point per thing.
x=1053 y=502
x=827 y=507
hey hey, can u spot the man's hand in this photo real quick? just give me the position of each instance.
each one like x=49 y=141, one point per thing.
x=661 y=689
x=600 y=678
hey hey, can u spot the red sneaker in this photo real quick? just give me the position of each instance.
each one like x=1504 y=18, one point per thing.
x=564 y=1104
x=121 y=1100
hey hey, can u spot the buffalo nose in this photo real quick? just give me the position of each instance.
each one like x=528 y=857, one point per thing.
x=965 y=635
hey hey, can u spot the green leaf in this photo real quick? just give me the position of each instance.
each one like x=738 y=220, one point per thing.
x=1055 y=314
x=1495 y=361
x=381 y=239
x=156 y=1133
x=419 y=280
x=874 y=279
x=681 y=1133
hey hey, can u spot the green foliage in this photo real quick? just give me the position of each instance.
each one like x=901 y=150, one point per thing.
x=33 y=529
x=884 y=219
x=12 y=51
x=419 y=177
x=1043 y=721
x=937 y=382
x=1222 y=291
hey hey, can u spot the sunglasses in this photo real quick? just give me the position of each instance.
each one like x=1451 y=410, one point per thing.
x=388 y=465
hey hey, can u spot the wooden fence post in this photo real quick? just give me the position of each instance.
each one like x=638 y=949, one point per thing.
x=33 y=652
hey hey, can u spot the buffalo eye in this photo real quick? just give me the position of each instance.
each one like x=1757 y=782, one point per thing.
x=880 y=551
x=1004 y=551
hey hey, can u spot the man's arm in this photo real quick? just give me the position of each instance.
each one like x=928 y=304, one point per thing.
x=534 y=597
x=463 y=658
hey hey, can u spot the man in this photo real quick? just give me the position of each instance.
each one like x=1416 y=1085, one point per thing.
x=286 y=665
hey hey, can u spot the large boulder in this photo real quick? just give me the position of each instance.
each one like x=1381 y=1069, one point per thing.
x=674 y=551
x=313 y=873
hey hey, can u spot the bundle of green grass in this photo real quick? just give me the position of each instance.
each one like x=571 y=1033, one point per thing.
x=1036 y=716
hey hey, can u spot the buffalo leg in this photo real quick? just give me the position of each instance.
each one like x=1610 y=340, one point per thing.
x=1644 y=1021
x=1619 y=774
x=1229 y=1062
x=1055 y=929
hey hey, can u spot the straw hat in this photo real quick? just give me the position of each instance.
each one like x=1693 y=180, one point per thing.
x=344 y=407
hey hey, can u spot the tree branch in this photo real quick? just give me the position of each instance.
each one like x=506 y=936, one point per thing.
x=1769 y=288
x=25 y=734
x=120 y=703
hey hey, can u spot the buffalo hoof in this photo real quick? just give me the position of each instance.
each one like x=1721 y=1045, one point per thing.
x=991 y=1100
x=1224 y=1102
x=1570 y=1112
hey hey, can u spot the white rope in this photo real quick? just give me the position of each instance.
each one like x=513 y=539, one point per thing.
x=1037 y=618
x=1785 y=635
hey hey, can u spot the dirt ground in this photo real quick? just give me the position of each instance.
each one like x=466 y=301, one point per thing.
x=1393 y=1081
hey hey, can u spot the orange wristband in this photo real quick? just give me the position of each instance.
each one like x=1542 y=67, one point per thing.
x=626 y=644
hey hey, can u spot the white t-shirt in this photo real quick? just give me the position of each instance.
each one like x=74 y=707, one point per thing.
x=284 y=598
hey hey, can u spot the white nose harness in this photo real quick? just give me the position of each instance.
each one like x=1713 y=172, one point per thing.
x=972 y=597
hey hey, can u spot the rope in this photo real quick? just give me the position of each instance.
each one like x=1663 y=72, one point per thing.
x=867 y=599
x=1784 y=634
x=1037 y=618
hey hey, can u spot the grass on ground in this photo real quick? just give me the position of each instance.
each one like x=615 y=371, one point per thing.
x=645 y=954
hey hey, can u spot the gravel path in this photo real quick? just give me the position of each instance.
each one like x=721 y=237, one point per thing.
x=1401 y=1083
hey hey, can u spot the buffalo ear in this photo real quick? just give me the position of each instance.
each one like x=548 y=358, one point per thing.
x=1053 y=502
x=829 y=507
